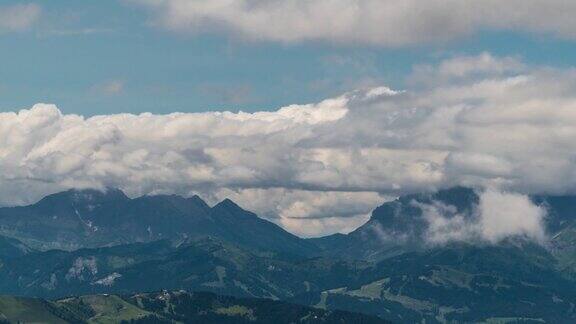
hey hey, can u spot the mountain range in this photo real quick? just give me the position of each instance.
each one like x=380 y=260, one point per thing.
x=89 y=218
x=87 y=242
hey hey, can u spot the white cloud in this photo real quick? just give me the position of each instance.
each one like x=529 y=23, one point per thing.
x=446 y=225
x=466 y=67
x=18 y=17
x=78 y=31
x=109 y=88
x=499 y=215
x=506 y=128
x=378 y=22
x=507 y=214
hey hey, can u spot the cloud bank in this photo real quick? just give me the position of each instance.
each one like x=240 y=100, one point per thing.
x=479 y=121
x=377 y=22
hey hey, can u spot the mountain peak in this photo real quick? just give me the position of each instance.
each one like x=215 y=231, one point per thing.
x=85 y=196
x=227 y=204
x=199 y=201
x=463 y=198
x=194 y=202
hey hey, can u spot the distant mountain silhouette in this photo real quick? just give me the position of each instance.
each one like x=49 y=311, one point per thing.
x=89 y=218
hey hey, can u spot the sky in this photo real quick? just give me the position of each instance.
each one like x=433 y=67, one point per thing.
x=102 y=57
x=311 y=113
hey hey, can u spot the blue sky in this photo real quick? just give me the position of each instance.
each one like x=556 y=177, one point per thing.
x=102 y=57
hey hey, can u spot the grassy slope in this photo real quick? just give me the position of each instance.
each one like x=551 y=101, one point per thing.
x=168 y=307
x=16 y=309
x=111 y=309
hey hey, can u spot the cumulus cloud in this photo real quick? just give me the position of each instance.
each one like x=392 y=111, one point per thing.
x=499 y=215
x=378 y=22
x=479 y=121
x=18 y=17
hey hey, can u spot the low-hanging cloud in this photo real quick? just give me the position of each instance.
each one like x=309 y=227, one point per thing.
x=479 y=121
x=376 y=22
x=498 y=216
